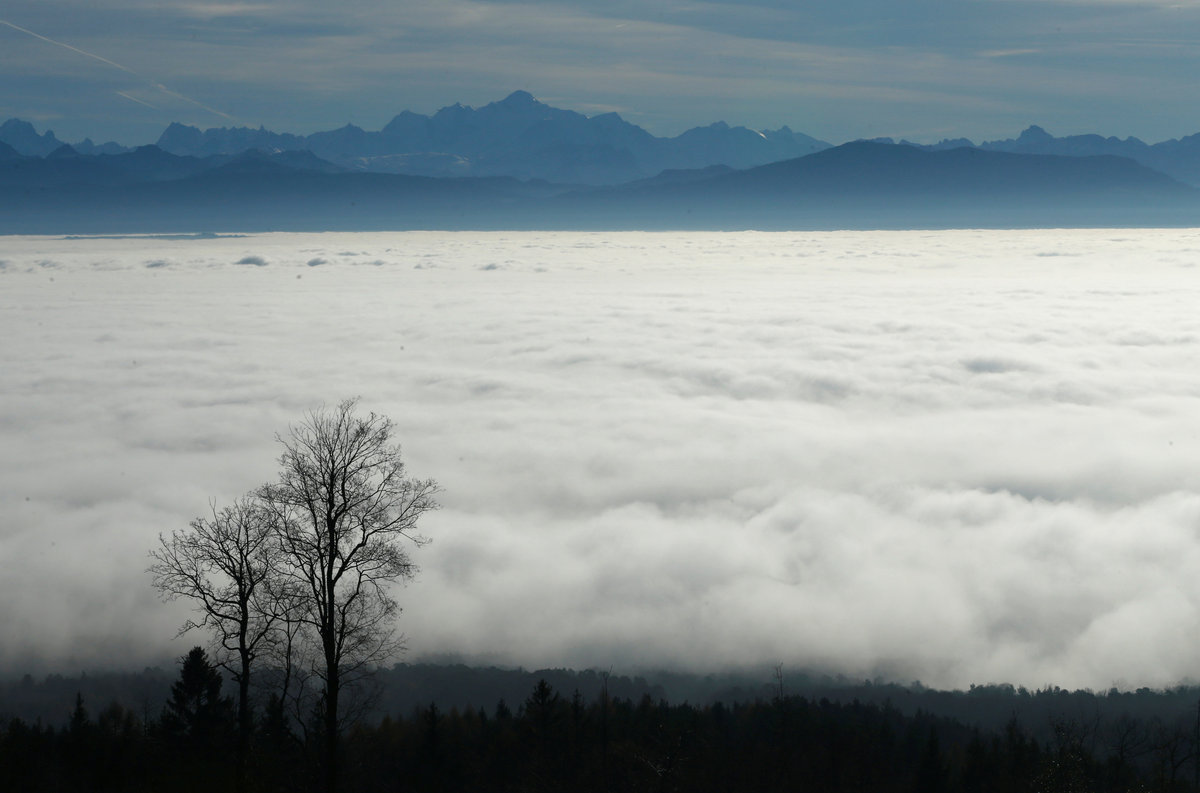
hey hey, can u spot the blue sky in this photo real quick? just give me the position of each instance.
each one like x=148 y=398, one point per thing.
x=921 y=69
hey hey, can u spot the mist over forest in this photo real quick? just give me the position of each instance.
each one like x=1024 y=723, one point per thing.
x=764 y=400
x=954 y=457
x=897 y=510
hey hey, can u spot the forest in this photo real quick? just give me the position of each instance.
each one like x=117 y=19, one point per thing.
x=870 y=738
x=291 y=583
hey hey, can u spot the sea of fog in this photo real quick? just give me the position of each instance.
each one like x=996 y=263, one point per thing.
x=953 y=456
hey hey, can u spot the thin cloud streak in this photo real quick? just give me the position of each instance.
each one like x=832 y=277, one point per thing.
x=134 y=99
x=85 y=53
x=114 y=64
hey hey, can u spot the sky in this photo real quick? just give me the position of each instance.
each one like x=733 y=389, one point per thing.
x=954 y=457
x=839 y=70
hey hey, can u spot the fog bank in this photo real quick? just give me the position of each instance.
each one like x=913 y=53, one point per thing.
x=948 y=456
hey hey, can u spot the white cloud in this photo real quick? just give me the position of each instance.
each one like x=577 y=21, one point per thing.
x=948 y=456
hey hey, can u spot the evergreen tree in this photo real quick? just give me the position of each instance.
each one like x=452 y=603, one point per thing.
x=196 y=710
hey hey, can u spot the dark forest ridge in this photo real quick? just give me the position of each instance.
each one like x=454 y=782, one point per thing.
x=407 y=687
x=450 y=728
x=593 y=735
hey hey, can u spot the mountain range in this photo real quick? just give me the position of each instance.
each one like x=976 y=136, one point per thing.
x=856 y=185
x=517 y=136
x=519 y=163
x=524 y=138
x=1178 y=157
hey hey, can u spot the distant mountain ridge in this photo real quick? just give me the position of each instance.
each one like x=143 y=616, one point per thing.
x=524 y=138
x=856 y=185
x=21 y=136
x=518 y=137
x=866 y=184
x=522 y=164
x=1178 y=157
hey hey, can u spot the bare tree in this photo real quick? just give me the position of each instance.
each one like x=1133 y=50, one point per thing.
x=1172 y=748
x=344 y=509
x=225 y=564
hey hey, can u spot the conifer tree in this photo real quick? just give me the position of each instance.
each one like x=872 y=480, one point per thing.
x=196 y=710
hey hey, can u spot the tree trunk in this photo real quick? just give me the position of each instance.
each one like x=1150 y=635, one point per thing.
x=332 y=686
x=243 y=738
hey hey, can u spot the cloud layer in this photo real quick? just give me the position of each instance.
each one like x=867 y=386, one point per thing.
x=948 y=456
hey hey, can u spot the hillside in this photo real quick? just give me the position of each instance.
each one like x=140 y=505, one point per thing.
x=857 y=185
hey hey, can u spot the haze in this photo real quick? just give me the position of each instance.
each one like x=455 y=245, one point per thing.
x=954 y=456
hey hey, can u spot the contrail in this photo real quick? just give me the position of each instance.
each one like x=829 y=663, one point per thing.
x=69 y=47
x=178 y=95
x=135 y=99
x=125 y=69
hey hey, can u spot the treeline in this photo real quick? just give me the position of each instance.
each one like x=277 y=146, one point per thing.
x=554 y=740
x=404 y=687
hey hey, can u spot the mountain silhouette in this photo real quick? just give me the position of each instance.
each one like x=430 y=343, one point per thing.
x=524 y=138
x=1178 y=158
x=517 y=136
x=184 y=140
x=7 y=152
x=864 y=184
x=21 y=136
x=864 y=170
x=872 y=184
